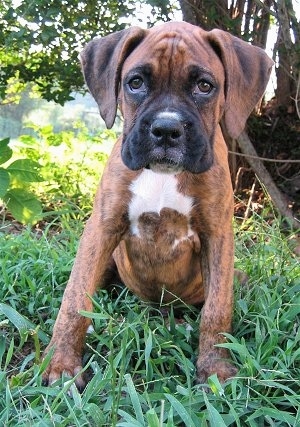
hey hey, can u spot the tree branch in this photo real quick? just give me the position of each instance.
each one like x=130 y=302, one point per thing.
x=279 y=200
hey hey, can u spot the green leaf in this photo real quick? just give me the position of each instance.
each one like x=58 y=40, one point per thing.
x=215 y=385
x=134 y=399
x=238 y=348
x=181 y=411
x=5 y=151
x=148 y=349
x=25 y=170
x=170 y=422
x=23 y=205
x=10 y=352
x=129 y=420
x=2 y=348
x=152 y=418
x=95 y=413
x=4 y=182
x=275 y=414
x=21 y=323
x=214 y=417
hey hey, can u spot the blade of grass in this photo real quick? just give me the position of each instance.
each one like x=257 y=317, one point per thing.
x=181 y=411
x=134 y=399
x=214 y=417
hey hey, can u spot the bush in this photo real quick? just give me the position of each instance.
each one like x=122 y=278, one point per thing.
x=61 y=169
x=15 y=180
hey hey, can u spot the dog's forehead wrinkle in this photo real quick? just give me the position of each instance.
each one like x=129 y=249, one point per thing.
x=166 y=49
x=196 y=70
x=184 y=69
x=144 y=68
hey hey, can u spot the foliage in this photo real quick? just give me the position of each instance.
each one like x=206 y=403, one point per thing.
x=142 y=364
x=71 y=164
x=40 y=41
x=19 y=101
x=14 y=182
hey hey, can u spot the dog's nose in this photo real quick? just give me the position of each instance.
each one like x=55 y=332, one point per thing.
x=166 y=130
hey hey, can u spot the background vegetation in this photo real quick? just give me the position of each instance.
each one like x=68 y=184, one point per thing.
x=140 y=358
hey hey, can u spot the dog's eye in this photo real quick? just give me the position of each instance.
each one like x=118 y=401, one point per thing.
x=204 y=86
x=136 y=83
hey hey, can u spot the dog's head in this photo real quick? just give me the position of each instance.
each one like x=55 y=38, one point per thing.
x=174 y=83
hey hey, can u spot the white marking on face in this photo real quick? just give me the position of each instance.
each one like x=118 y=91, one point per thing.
x=151 y=192
x=168 y=115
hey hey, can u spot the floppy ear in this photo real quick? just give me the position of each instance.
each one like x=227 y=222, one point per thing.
x=247 y=71
x=102 y=61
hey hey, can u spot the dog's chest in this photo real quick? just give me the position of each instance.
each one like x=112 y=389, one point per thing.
x=157 y=210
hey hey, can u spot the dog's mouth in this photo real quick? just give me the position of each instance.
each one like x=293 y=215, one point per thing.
x=165 y=166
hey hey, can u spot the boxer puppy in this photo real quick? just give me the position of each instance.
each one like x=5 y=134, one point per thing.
x=162 y=216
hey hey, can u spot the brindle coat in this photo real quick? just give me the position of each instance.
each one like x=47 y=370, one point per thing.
x=181 y=76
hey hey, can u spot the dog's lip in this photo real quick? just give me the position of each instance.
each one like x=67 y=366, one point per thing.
x=165 y=166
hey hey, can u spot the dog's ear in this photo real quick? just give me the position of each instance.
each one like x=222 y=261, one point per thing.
x=247 y=71
x=102 y=61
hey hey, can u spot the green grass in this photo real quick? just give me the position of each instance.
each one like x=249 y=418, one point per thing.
x=142 y=363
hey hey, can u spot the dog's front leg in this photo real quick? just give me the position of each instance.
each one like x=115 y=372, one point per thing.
x=217 y=268
x=92 y=260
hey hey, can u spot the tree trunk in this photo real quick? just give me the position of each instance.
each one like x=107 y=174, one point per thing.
x=206 y=14
x=262 y=25
x=287 y=72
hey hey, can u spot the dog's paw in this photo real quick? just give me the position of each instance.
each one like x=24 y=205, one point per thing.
x=207 y=366
x=63 y=363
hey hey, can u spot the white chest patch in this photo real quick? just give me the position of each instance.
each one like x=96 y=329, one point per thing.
x=151 y=192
